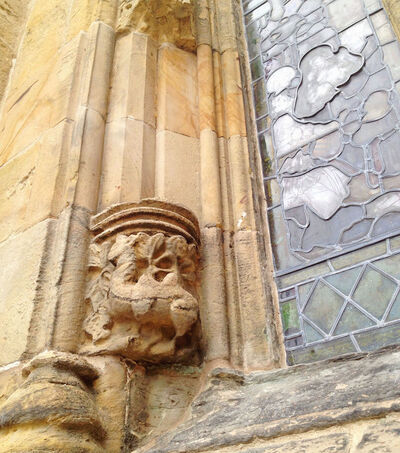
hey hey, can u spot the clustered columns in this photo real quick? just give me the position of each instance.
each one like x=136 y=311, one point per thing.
x=161 y=245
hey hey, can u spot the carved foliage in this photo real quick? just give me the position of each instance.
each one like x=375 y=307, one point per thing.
x=143 y=297
x=167 y=21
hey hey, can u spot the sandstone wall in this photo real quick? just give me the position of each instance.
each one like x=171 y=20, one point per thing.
x=111 y=107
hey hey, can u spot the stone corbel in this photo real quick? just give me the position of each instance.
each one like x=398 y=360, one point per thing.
x=142 y=291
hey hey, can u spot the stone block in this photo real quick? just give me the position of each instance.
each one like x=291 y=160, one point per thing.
x=28 y=183
x=177 y=92
x=128 y=162
x=21 y=259
x=39 y=103
x=178 y=170
x=11 y=19
x=133 y=79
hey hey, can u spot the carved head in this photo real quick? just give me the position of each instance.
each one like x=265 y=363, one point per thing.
x=143 y=300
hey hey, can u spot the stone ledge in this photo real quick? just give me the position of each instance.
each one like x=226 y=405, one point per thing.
x=237 y=408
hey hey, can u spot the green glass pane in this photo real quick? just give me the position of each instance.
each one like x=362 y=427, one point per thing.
x=395 y=243
x=321 y=351
x=374 y=292
x=310 y=333
x=323 y=307
x=352 y=319
x=375 y=339
x=273 y=192
x=395 y=310
x=290 y=317
x=257 y=69
x=263 y=123
x=260 y=99
x=344 y=281
x=390 y=265
x=304 y=291
x=267 y=157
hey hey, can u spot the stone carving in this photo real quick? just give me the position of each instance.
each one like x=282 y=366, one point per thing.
x=167 y=21
x=142 y=294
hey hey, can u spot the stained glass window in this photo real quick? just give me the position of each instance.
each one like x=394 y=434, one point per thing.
x=326 y=84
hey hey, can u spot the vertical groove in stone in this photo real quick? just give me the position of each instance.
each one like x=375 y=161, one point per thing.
x=88 y=145
x=129 y=148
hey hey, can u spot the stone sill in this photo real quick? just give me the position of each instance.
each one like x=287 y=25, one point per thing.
x=236 y=408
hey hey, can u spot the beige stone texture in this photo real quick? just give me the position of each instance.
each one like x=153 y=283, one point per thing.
x=21 y=259
x=219 y=104
x=363 y=436
x=54 y=409
x=393 y=10
x=205 y=70
x=83 y=13
x=177 y=92
x=178 y=170
x=169 y=392
x=110 y=388
x=49 y=27
x=128 y=162
x=40 y=104
x=24 y=197
x=10 y=380
x=129 y=147
x=226 y=25
x=12 y=18
x=242 y=197
x=210 y=179
x=202 y=23
x=133 y=79
x=213 y=311
x=167 y=21
x=232 y=94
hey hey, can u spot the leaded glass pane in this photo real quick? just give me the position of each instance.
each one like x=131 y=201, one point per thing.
x=326 y=82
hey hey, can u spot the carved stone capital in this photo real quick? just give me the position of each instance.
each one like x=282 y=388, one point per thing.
x=142 y=291
x=167 y=21
x=54 y=407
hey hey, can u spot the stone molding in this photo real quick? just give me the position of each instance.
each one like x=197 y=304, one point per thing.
x=56 y=399
x=142 y=290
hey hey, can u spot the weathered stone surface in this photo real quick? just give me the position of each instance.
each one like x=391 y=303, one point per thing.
x=168 y=21
x=382 y=436
x=133 y=79
x=178 y=151
x=236 y=408
x=21 y=259
x=21 y=183
x=12 y=15
x=128 y=162
x=56 y=395
x=177 y=92
x=331 y=443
